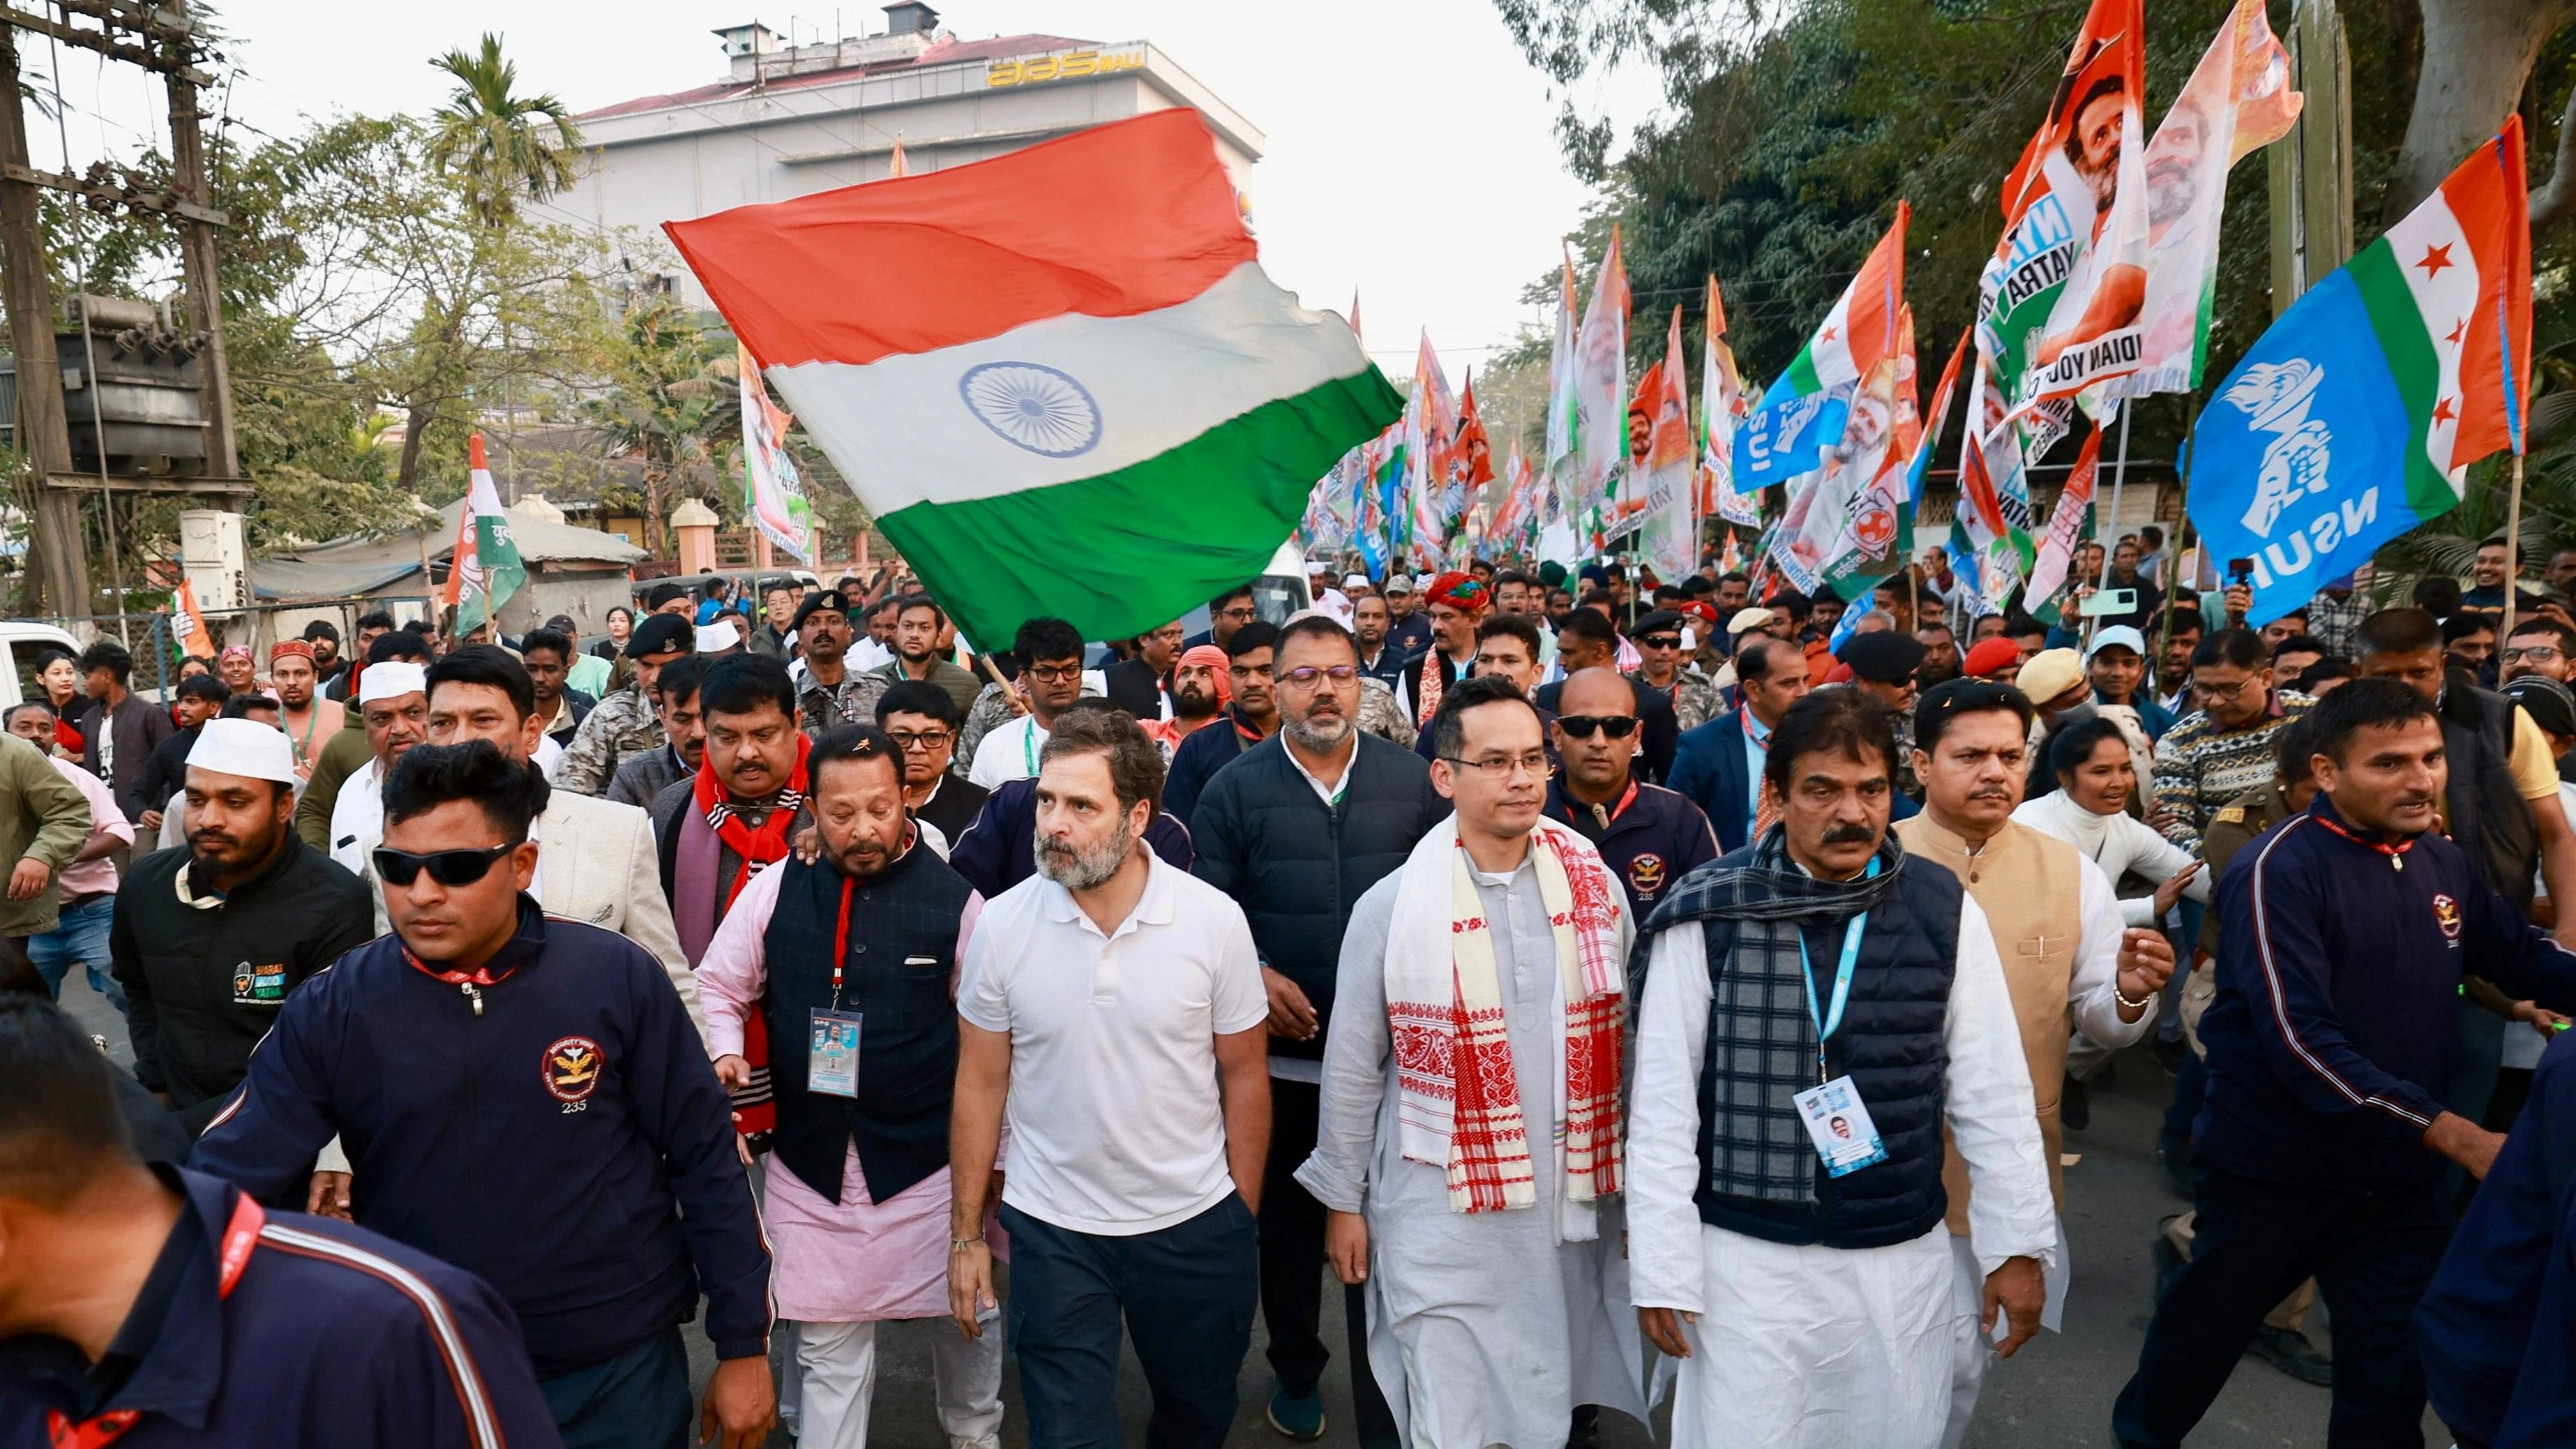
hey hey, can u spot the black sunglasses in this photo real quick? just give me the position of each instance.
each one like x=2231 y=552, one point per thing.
x=1661 y=641
x=1581 y=726
x=447 y=867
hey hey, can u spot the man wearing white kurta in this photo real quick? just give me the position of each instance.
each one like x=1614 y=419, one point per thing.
x=1814 y=1306
x=1485 y=1223
x=393 y=705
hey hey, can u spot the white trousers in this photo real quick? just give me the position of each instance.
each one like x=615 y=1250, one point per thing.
x=837 y=1373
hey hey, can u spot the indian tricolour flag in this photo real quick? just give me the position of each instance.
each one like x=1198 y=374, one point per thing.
x=1058 y=379
x=2357 y=415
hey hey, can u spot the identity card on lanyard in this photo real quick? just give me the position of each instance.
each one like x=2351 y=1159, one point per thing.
x=832 y=1063
x=1835 y=1115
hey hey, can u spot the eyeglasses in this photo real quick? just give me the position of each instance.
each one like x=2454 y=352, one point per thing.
x=447 y=867
x=2536 y=653
x=1503 y=767
x=1306 y=675
x=1054 y=673
x=1581 y=726
x=926 y=740
x=1241 y=615
x=2222 y=691
x=1660 y=641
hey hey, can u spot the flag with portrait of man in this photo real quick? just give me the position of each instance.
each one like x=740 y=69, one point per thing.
x=2059 y=302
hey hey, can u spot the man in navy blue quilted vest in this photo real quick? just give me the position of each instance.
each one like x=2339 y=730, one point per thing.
x=1814 y=1005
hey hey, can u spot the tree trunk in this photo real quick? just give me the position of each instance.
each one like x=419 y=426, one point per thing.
x=2477 y=56
x=415 y=418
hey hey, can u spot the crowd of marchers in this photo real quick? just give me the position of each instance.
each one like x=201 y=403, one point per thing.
x=1623 y=992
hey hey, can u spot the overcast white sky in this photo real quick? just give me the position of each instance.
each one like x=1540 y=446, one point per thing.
x=1411 y=151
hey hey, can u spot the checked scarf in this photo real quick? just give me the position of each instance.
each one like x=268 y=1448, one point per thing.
x=1761 y=1041
x=758 y=846
x=1459 y=1105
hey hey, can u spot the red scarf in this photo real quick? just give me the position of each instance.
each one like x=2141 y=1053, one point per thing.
x=755 y=1111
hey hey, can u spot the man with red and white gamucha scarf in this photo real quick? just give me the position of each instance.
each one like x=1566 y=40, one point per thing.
x=1470 y=1148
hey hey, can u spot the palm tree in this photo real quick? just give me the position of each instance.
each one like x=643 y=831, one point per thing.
x=507 y=145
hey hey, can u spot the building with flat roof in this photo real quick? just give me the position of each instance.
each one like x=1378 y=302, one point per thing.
x=789 y=120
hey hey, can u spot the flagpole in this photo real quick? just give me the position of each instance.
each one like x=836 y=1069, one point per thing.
x=2182 y=535
x=2512 y=546
x=2120 y=470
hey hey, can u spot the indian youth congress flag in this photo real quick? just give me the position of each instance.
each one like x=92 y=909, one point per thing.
x=1804 y=411
x=1059 y=378
x=2356 y=416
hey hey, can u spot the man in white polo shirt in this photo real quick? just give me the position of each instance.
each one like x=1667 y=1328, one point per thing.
x=1113 y=1004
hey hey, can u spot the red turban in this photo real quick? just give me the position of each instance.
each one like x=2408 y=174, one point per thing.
x=1458 y=590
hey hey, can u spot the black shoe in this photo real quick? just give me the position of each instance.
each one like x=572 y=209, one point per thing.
x=2074 y=1106
x=2169 y=1053
x=2292 y=1354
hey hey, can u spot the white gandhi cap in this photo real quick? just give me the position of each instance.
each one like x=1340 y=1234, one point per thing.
x=244 y=747
x=391 y=679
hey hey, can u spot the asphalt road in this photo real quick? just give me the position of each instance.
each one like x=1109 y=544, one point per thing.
x=2057 y=1392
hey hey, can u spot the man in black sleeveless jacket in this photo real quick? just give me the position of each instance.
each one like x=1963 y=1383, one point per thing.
x=1819 y=958
x=852 y=961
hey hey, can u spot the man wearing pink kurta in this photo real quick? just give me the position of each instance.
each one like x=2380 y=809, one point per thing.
x=853 y=961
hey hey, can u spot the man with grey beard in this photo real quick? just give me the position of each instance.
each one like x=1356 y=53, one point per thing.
x=1296 y=829
x=1111 y=1006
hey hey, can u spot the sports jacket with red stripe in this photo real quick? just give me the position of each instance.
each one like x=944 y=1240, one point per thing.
x=2338 y=975
x=559 y=1133
x=331 y=1336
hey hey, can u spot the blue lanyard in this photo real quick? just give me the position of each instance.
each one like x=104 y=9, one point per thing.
x=1826 y=1025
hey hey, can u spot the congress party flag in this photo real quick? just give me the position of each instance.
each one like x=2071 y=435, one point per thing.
x=2058 y=305
x=1562 y=379
x=188 y=624
x=1806 y=408
x=1992 y=527
x=1098 y=408
x=1721 y=407
x=2066 y=526
x=1880 y=518
x=1600 y=387
x=2237 y=101
x=1430 y=432
x=2356 y=416
x=773 y=492
x=1919 y=467
x=484 y=569
x=1669 y=534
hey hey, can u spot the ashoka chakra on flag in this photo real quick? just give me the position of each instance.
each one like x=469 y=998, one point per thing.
x=1039 y=408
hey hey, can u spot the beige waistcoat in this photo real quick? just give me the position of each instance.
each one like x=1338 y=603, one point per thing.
x=2029 y=885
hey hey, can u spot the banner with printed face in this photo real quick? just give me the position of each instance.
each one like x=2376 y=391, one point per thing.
x=2059 y=303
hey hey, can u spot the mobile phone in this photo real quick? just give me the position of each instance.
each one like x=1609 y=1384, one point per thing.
x=2109 y=601
x=2240 y=571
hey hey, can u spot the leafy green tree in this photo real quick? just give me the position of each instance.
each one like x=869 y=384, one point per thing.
x=506 y=145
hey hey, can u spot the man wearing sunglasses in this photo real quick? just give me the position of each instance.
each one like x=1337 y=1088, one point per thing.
x=1296 y=829
x=524 y=1099
x=1647 y=835
x=1658 y=637
x=210 y=941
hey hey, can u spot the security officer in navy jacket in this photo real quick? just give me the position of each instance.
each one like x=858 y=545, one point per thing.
x=525 y=1097
x=147 y=1306
x=1649 y=836
x=2344 y=933
x=1718 y=765
x=2498 y=1326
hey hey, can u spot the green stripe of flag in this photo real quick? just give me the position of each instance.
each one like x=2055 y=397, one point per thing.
x=1132 y=550
x=2412 y=366
x=1802 y=373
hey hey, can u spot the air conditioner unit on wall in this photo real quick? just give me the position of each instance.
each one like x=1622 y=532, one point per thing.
x=213 y=553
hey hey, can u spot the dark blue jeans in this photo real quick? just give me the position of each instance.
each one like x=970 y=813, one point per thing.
x=1186 y=1294
x=2372 y=1255
x=639 y=1398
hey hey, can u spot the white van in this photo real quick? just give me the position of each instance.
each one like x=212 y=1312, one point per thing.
x=29 y=641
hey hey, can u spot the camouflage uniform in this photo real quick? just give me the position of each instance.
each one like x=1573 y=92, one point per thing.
x=619 y=727
x=991 y=711
x=1694 y=697
x=821 y=707
x=1381 y=716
